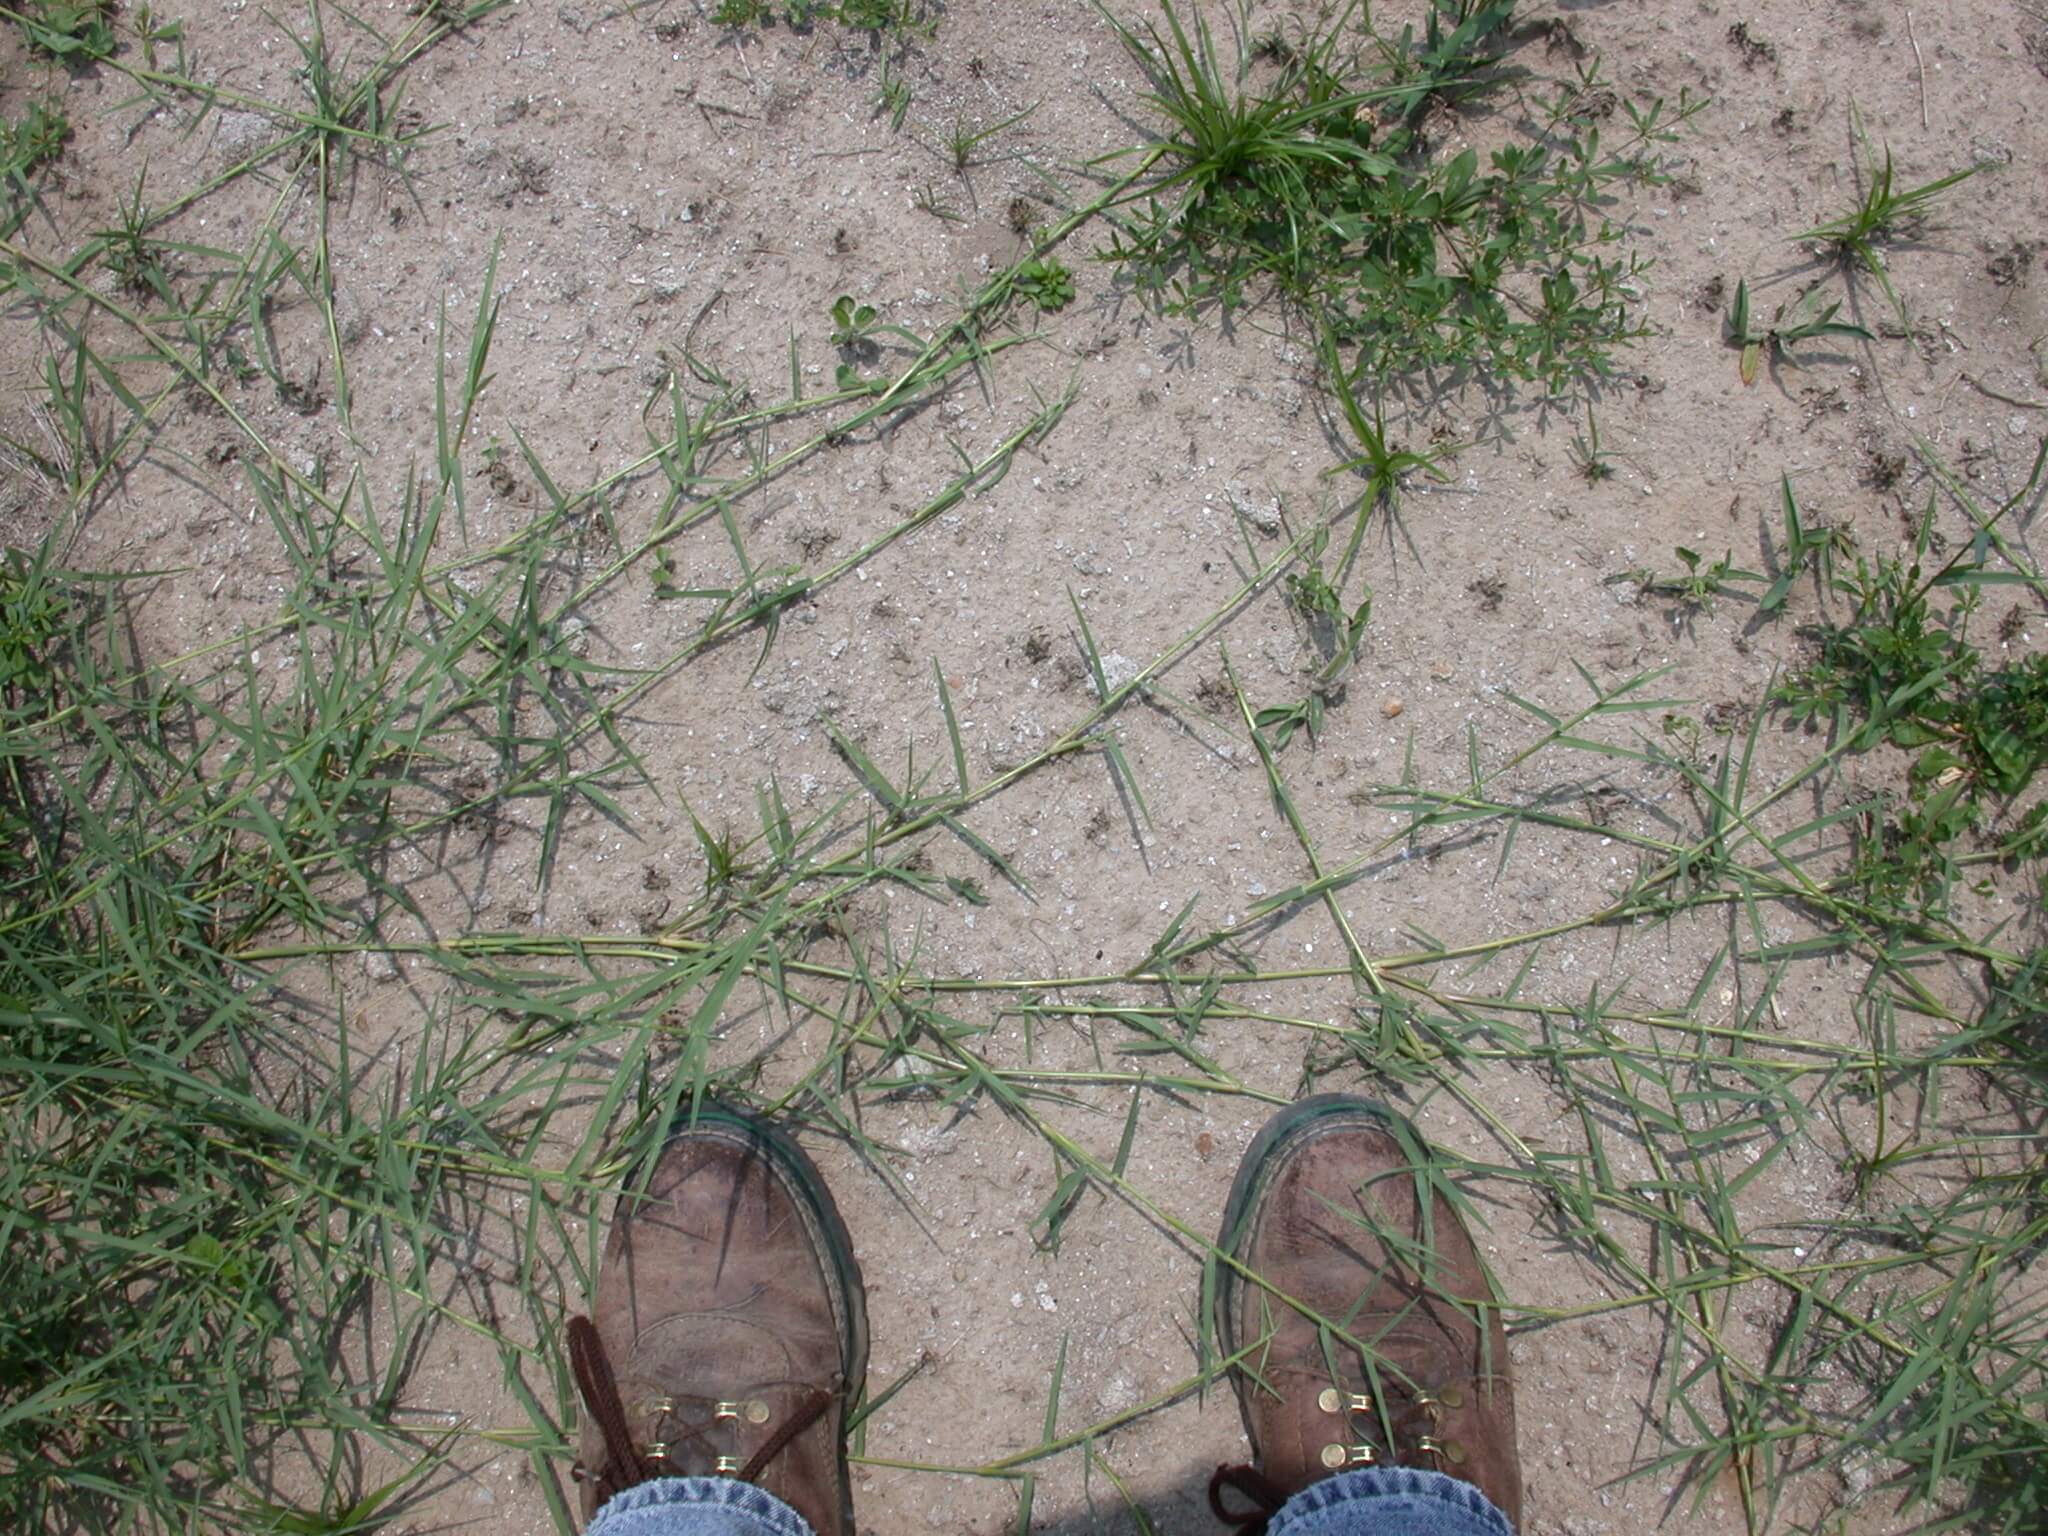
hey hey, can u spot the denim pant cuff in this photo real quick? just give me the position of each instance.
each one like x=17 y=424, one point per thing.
x=1373 y=1501
x=698 y=1506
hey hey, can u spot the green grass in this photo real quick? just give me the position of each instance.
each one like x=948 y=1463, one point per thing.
x=208 y=1184
x=960 y=145
x=1882 y=214
x=1902 y=671
x=892 y=21
x=1307 y=169
x=27 y=144
x=181 y=1236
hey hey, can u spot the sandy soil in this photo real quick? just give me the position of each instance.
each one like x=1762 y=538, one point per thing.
x=650 y=182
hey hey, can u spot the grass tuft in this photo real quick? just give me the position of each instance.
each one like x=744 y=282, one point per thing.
x=1318 y=180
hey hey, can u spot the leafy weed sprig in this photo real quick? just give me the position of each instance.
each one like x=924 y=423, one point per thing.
x=1808 y=319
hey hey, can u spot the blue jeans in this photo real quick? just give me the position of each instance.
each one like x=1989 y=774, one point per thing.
x=1373 y=1501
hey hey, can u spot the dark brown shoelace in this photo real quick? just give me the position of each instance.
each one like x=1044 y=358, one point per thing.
x=624 y=1464
x=1265 y=1494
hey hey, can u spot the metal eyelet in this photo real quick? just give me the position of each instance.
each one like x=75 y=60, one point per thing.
x=1330 y=1400
x=753 y=1410
x=1433 y=1403
x=1335 y=1456
x=726 y=1466
x=1442 y=1450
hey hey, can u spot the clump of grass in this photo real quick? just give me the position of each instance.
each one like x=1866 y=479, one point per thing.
x=33 y=140
x=27 y=144
x=1808 y=546
x=1882 y=214
x=177 y=1231
x=1322 y=185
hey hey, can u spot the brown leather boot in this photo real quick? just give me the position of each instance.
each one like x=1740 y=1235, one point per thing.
x=730 y=1329
x=1392 y=1352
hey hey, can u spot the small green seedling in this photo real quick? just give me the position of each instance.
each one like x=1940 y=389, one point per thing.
x=153 y=32
x=892 y=96
x=1045 y=282
x=1806 y=321
x=959 y=145
x=1384 y=465
x=34 y=141
x=857 y=331
x=853 y=323
x=727 y=867
x=928 y=199
x=1317 y=600
x=1587 y=456
x=1697 y=586
x=1689 y=735
x=1335 y=632
x=1805 y=547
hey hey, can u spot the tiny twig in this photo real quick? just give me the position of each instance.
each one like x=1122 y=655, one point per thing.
x=1922 y=64
x=1985 y=389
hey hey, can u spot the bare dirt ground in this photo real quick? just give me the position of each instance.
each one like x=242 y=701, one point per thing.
x=651 y=186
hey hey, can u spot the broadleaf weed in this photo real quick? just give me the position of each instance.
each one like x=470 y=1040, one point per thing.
x=77 y=32
x=1047 y=283
x=1809 y=318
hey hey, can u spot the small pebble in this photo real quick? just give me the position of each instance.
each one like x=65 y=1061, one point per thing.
x=1392 y=708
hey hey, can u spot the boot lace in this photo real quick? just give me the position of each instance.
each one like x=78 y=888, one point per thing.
x=1266 y=1495
x=628 y=1461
